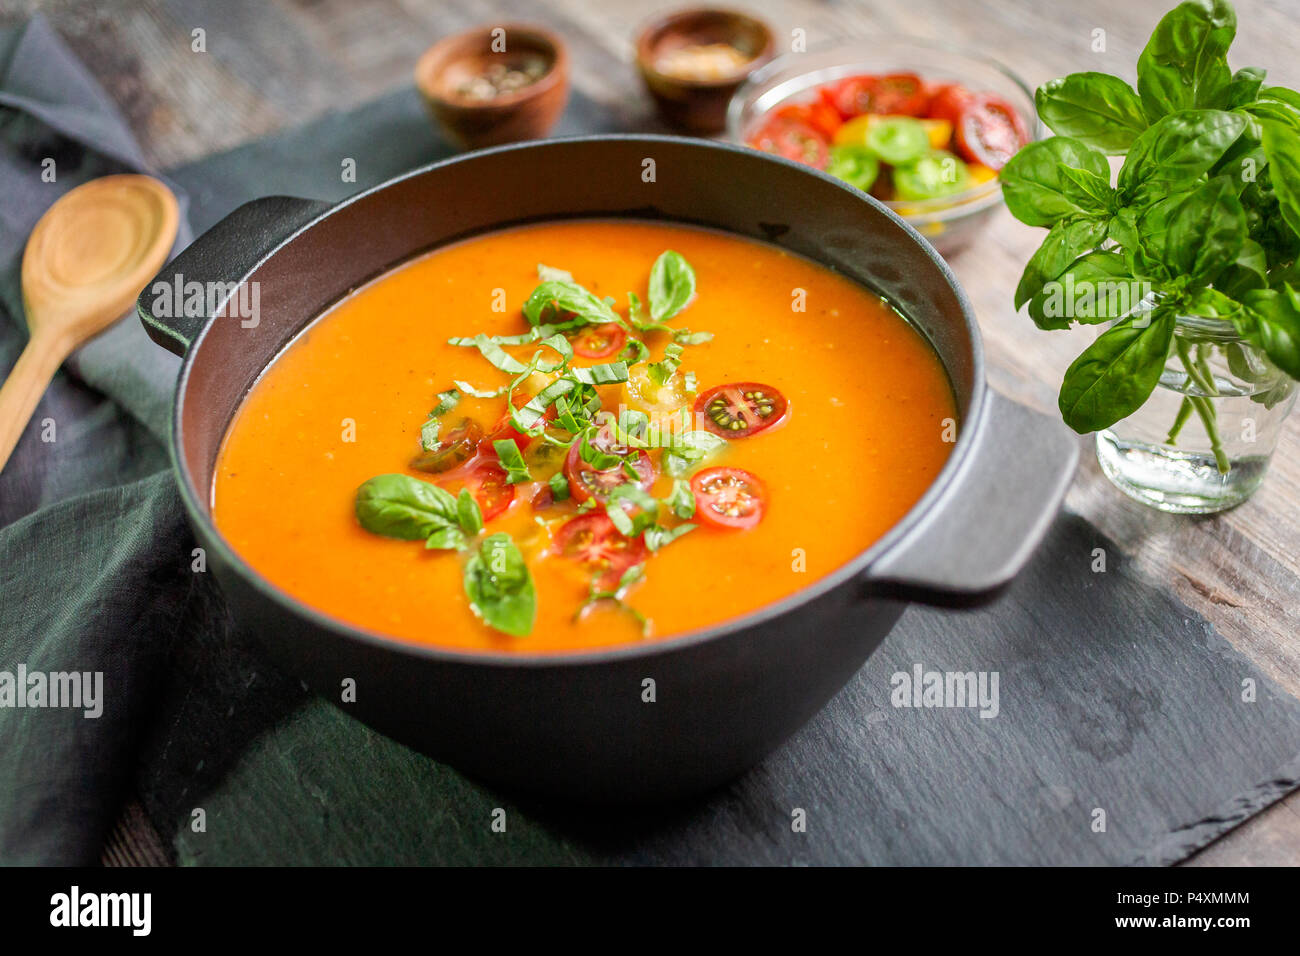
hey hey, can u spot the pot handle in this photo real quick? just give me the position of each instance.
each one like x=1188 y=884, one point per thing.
x=219 y=260
x=978 y=536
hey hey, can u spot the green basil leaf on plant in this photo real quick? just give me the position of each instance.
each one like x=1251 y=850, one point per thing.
x=1243 y=88
x=1248 y=271
x=1097 y=109
x=499 y=586
x=1205 y=232
x=1176 y=151
x=1065 y=242
x=1034 y=188
x=399 y=506
x=1184 y=65
x=1273 y=323
x=1117 y=373
x=1095 y=288
x=1282 y=147
x=672 y=285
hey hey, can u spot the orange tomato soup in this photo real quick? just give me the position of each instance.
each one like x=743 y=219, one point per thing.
x=861 y=441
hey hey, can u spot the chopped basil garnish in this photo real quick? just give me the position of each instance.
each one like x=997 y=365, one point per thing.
x=559 y=486
x=595 y=594
x=499 y=587
x=657 y=536
x=512 y=460
x=681 y=500
x=429 y=430
x=558 y=296
x=662 y=371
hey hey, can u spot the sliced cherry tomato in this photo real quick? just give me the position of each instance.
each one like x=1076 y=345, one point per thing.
x=586 y=481
x=729 y=498
x=455 y=447
x=487 y=482
x=793 y=140
x=740 y=409
x=820 y=115
x=599 y=341
x=850 y=96
x=504 y=429
x=900 y=94
x=990 y=131
x=948 y=101
x=592 y=540
x=501 y=431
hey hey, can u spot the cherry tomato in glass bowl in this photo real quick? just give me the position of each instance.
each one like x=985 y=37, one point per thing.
x=740 y=409
x=730 y=498
x=586 y=481
x=594 y=542
x=900 y=94
x=990 y=131
x=818 y=114
x=948 y=101
x=792 y=139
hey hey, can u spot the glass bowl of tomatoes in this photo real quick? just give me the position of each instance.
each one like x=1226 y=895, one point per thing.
x=921 y=125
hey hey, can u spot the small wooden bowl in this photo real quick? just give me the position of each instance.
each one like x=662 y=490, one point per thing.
x=526 y=113
x=700 y=105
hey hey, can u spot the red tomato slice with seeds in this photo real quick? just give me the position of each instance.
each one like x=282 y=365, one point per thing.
x=990 y=131
x=948 y=101
x=740 y=409
x=487 y=482
x=793 y=140
x=586 y=481
x=899 y=94
x=820 y=115
x=729 y=498
x=599 y=341
x=593 y=541
x=850 y=96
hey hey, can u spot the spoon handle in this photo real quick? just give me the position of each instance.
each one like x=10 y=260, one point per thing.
x=22 y=390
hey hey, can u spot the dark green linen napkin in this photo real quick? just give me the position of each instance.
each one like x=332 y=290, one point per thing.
x=92 y=579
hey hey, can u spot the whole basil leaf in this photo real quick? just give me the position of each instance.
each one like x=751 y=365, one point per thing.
x=1177 y=150
x=1097 y=287
x=557 y=295
x=1065 y=242
x=1272 y=322
x=399 y=506
x=672 y=285
x=500 y=587
x=1243 y=88
x=1248 y=271
x=1282 y=147
x=1205 y=232
x=1281 y=94
x=1117 y=373
x=1097 y=109
x=1184 y=65
x=1038 y=193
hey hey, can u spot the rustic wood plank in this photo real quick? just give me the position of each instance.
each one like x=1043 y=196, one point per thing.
x=273 y=64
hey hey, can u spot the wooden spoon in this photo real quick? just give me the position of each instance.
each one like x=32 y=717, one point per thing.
x=85 y=264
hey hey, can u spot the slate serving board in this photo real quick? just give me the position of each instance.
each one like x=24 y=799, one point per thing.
x=1126 y=729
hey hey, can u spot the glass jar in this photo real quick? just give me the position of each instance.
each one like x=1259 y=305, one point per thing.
x=1204 y=439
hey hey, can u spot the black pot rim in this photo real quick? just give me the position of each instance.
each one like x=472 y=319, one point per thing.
x=967 y=439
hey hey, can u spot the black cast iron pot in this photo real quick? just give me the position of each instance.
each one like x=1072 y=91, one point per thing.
x=581 y=725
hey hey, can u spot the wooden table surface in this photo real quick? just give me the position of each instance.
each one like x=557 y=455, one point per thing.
x=276 y=63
